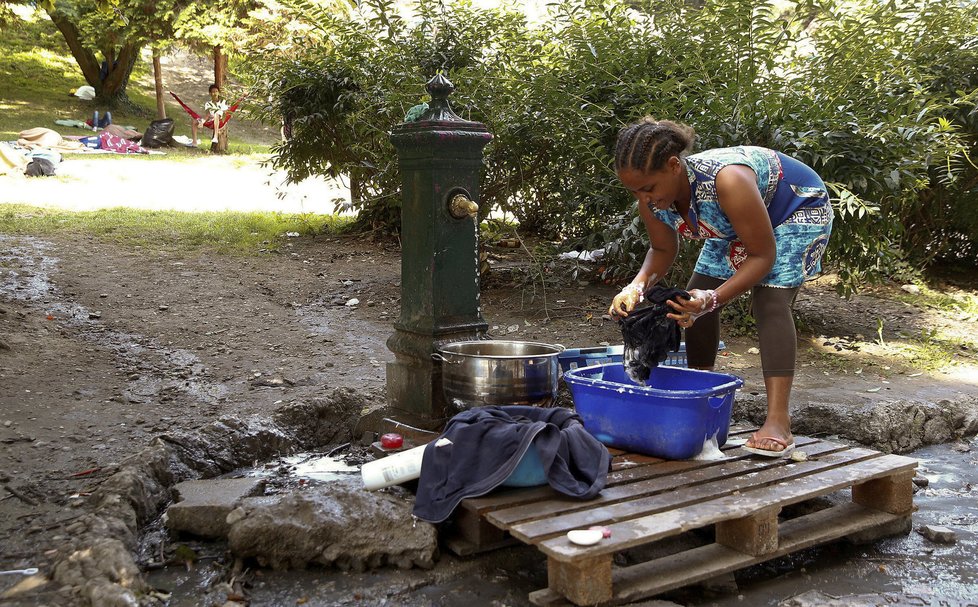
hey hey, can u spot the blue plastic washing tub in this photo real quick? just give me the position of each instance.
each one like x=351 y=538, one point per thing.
x=670 y=418
x=576 y=358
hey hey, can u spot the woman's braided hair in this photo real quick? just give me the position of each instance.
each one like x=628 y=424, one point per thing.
x=646 y=145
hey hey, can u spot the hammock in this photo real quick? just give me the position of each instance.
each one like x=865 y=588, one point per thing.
x=209 y=123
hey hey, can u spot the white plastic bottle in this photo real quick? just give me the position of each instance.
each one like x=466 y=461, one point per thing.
x=393 y=469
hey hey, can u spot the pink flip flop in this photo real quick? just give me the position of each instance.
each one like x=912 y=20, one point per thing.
x=788 y=447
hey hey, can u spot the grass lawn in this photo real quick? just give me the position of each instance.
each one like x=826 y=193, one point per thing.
x=38 y=77
x=227 y=232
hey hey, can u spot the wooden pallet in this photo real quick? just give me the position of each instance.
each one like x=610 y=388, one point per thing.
x=647 y=500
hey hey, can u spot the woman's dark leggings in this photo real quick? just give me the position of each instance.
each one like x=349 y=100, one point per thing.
x=771 y=307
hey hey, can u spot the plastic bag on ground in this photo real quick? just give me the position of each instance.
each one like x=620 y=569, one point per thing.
x=159 y=133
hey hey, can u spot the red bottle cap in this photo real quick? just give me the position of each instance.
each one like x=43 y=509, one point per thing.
x=392 y=441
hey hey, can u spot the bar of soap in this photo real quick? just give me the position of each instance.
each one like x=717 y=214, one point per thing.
x=585 y=537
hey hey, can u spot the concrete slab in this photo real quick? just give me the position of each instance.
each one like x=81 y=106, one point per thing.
x=202 y=506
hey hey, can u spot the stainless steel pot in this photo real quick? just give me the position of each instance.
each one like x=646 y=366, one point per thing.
x=478 y=373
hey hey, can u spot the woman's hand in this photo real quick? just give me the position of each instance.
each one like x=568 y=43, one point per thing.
x=625 y=302
x=688 y=310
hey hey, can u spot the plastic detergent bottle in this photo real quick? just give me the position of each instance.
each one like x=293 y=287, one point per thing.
x=393 y=469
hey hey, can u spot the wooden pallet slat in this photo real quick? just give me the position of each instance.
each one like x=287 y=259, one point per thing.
x=536 y=530
x=625 y=473
x=656 y=526
x=738 y=463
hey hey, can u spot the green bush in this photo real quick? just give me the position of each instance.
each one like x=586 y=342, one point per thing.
x=877 y=97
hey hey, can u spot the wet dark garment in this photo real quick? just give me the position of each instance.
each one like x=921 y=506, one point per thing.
x=487 y=443
x=648 y=335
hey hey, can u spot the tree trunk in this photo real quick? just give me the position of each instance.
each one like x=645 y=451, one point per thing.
x=158 y=80
x=83 y=57
x=220 y=63
x=356 y=191
x=110 y=93
x=113 y=88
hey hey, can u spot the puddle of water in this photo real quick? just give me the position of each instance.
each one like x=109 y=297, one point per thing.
x=320 y=468
x=29 y=279
x=302 y=467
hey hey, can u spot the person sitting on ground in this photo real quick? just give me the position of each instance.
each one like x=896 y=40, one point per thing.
x=765 y=220
x=215 y=109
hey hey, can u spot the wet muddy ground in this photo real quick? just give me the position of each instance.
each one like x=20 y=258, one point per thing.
x=104 y=349
x=901 y=570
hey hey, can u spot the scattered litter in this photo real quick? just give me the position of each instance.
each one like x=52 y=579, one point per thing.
x=28 y=571
x=391 y=441
x=84 y=472
x=583 y=255
x=85 y=92
x=798 y=456
x=876 y=389
x=753 y=351
x=292 y=234
x=352 y=302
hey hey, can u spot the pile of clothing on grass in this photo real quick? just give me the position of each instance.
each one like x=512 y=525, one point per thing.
x=33 y=163
x=38 y=151
x=158 y=134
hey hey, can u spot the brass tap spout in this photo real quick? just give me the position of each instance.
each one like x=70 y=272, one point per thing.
x=461 y=207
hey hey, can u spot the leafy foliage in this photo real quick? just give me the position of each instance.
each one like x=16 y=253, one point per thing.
x=203 y=25
x=106 y=36
x=879 y=98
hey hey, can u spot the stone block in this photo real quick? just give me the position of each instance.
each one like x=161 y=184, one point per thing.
x=202 y=506
x=334 y=524
x=936 y=533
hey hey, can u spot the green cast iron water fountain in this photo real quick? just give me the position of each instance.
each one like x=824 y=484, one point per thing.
x=440 y=159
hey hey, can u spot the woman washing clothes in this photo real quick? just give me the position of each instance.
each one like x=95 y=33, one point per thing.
x=764 y=219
